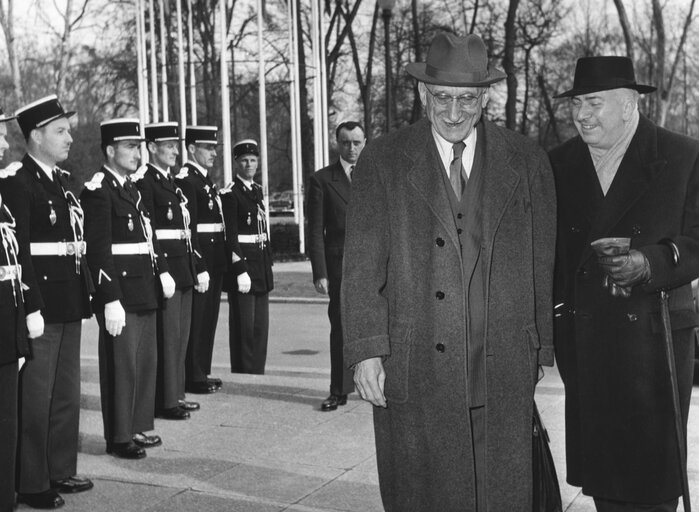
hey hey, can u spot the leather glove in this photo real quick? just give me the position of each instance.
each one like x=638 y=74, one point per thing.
x=114 y=317
x=168 y=284
x=244 y=282
x=626 y=270
x=35 y=324
x=202 y=282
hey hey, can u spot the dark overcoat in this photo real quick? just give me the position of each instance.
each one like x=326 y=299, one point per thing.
x=619 y=420
x=401 y=249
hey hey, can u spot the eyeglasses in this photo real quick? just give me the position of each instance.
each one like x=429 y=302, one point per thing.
x=464 y=101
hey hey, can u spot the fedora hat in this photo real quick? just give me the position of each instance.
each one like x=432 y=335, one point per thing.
x=456 y=61
x=594 y=74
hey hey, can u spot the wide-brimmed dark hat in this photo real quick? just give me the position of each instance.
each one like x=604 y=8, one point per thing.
x=594 y=74
x=457 y=62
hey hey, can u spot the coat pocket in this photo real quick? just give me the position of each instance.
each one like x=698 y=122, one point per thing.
x=397 y=366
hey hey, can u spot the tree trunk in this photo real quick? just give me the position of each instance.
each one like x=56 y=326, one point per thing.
x=7 y=24
x=625 y=28
x=549 y=107
x=416 y=112
x=508 y=64
x=64 y=52
x=659 y=25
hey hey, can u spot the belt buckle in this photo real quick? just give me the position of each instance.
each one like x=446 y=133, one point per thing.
x=183 y=234
x=70 y=248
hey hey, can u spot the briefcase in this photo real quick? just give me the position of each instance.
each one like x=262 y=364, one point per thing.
x=547 y=493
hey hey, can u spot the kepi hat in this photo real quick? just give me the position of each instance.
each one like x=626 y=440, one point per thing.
x=201 y=135
x=40 y=113
x=4 y=117
x=456 y=61
x=604 y=73
x=245 y=147
x=121 y=129
x=162 y=132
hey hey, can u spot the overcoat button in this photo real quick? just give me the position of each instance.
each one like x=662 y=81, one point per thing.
x=459 y=231
x=439 y=295
x=440 y=347
x=459 y=215
x=439 y=242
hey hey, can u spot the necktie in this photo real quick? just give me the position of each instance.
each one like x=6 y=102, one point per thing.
x=351 y=170
x=456 y=170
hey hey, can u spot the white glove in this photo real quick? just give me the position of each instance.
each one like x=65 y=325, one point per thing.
x=114 y=317
x=35 y=324
x=168 y=284
x=202 y=282
x=244 y=283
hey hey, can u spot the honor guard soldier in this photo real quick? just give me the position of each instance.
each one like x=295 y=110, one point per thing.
x=123 y=265
x=169 y=215
x=16 y=324
x=210 y=253
x=50 y=218
x=249 y=279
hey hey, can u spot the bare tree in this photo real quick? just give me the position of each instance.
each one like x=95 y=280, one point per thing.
x=625 y=28
x=7 y=24
x=508 y=64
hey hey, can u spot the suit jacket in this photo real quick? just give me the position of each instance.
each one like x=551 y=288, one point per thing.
x=619 y=427
x=404 y=299
x=329 y=191
x=167 y=205
x=113 y=215
x=243 y=211
x=64 y=287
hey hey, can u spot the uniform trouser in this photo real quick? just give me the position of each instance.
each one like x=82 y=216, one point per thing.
x=128 y=365
x=8 y=434
x=341 y=377
x=49 y=391
x=174 y=320
x=248 y=329
x=603 y=505
x=478 y=420
x=205 y=307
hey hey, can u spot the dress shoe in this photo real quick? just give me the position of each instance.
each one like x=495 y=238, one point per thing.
x=189 y=406
x=173 y=413
x=213 y=381
x=72 y=484
x=200 y=388
x=126 y=450
x=46 y=499
x=145 y=441
x=331 y=403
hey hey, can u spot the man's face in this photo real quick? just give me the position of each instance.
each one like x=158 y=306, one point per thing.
x=54 y=140
x=350 y=144
x=204 y=154
x=599 y=117
x=453 y=119
x=164 y=154
x=4 y=146
x=124 y=156
x=247 y=166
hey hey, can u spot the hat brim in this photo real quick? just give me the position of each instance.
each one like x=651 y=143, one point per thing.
x=6 y=119
x=642 y=89
x=47 y=122
x=418 y=71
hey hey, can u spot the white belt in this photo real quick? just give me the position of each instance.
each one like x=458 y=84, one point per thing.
x=172 y=234
x=130 y=249
x=216 y=227
x=252 y=239
x=58 y=248
x=9 y=272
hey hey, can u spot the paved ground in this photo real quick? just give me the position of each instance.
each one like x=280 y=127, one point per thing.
x=261 y=444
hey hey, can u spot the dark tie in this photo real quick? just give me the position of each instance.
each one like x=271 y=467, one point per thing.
x=351 y=170
x=456 y=170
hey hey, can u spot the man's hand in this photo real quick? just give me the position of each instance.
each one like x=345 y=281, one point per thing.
x=244 y=282
x=369 y=378
x=114 y=317
x=321 y=285
x=168 y=284
x=35 y=324
x=202 y=282
x=626 y=270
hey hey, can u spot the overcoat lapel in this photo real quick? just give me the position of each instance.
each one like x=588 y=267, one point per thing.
x=340 y=183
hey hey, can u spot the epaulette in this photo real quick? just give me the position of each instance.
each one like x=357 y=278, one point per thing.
x=184 y=172
x=10 y=170
x=140 y=173
x=227 y=189
x=95 y=182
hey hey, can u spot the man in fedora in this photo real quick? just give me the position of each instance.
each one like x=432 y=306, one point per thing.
x=446 y=300
x=623 y=177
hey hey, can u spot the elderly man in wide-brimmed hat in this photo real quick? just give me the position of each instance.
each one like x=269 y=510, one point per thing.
x=446 y=293
x=628 y=179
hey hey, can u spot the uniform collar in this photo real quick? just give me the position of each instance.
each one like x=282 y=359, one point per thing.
x=47 y=169
x=121 y=179
x=204 y=172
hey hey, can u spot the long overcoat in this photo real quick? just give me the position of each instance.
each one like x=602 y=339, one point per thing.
x=619 y=421
x=404 y=299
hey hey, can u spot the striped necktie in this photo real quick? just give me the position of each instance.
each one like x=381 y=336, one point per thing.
x=456 y=170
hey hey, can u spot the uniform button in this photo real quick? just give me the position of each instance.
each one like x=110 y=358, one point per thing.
x=123 y=274
x=459 y=231
x=575 y=229
x=582 y=272
x=165 y=254
x=440 y=347
x=632 y=317
x=439 y=295
x=45 y=278
x=212 y=239
x=636 y=230
x=439 y=242
x=459 y=215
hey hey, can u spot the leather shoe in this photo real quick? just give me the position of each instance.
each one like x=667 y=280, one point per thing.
x=189 y=406
x=72 y=484
x=217 y=383
x=331 y=403
x=126 y=450
x=46 y=499
x=200 y=388
x=145 y=441
x=173 y=413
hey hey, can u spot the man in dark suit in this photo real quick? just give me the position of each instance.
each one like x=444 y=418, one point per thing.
x=50 y=218
x=16 y=325
x=624 y=177
x=170 y=219
x=208 y=236
x=328 y=194
x=249 y=278
x=123 y=262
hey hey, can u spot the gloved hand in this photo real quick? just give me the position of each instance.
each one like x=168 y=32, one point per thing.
x=626 y=269
x=35 y=324
x=202 y=282
x=168 y=284
x=114 y=317
x=244 y=282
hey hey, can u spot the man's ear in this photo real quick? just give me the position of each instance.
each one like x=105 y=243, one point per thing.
x=422 y=89
x=485 y=97
x=36 y=135
x=110 y=151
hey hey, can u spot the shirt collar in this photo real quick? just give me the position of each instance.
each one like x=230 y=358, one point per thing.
x=199 y=167
x=444 y=147
x=121 y=179
x=346 y=166
x=165 y=173
x=247 y=183
x=47 y=170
